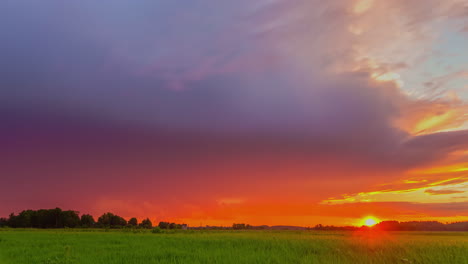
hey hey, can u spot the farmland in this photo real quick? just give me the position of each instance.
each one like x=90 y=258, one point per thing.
x=21 y=246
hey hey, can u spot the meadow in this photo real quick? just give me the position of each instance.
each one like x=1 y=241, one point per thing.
x=93 y=246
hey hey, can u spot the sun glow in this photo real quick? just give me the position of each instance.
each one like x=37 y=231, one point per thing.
x=369 y=221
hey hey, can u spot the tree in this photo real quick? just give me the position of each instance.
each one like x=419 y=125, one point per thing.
x=3 y=222
x=118 y=221
x=238 y=226
x=164 y=225
x=11 y=222
x=111 y=221
x=175 y=226
x=146 y=223
x=105 y=220
x=133 y=222
x=167 y=225
x=46 y=218
x=388 y=226
x=24 y=219
x=69 y=218
x=87 y=220
x=54 y=218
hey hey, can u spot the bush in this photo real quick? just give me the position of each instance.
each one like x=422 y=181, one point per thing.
x=157 y=230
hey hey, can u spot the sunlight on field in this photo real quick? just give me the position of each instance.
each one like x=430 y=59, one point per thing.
x=136 y=246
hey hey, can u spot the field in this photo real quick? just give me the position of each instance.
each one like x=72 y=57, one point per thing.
x=21 y=246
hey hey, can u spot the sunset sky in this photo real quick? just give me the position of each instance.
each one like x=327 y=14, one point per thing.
x=209 y=112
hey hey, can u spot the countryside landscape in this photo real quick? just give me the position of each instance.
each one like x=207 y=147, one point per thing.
x=217 y=131
x=57 y=236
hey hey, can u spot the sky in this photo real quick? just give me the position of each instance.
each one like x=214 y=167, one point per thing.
x=213 y=112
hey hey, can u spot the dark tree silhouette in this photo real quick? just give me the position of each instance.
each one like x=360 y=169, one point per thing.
x=52 y=218
x=238 y=226
x=412 y=226
x=167 y=225
x=163 y=225
x=133 y=222
x=110 y=220
x=146 y=223
x=3 y=222
x=87 y=221
x=57 y=218
x=69 y=219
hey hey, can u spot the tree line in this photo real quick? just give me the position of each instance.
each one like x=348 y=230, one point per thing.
x=401 y=226
x=58 y=218
x=421 y=226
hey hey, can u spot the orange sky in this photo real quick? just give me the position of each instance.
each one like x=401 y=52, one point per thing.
x=274 y=112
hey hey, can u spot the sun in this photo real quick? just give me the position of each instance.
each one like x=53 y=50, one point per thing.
x=369 y=221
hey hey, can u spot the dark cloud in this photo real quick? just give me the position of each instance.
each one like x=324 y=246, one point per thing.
x=424 y=149
x=111 y=98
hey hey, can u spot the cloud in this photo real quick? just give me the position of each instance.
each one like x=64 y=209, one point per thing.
x=442 y=192
x=426 y=149
x=288 y=97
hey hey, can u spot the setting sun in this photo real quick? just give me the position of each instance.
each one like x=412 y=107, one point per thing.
x=369 y=221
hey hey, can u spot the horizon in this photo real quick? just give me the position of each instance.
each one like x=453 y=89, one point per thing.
x=216 y=112
x=365 y=222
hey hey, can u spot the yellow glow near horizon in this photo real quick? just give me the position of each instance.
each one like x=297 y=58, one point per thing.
x=369 y=221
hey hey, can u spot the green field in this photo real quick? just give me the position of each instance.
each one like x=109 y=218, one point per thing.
x=18 y=246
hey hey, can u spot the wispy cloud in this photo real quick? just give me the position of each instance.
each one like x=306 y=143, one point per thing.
x=442 y=192
x=309 y=99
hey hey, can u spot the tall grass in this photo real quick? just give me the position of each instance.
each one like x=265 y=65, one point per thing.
x=133 y=246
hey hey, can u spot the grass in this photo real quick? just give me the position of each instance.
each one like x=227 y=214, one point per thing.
x=21 y=246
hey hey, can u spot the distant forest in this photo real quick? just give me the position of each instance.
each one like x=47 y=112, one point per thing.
x=58 y=218
x=403 y=226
